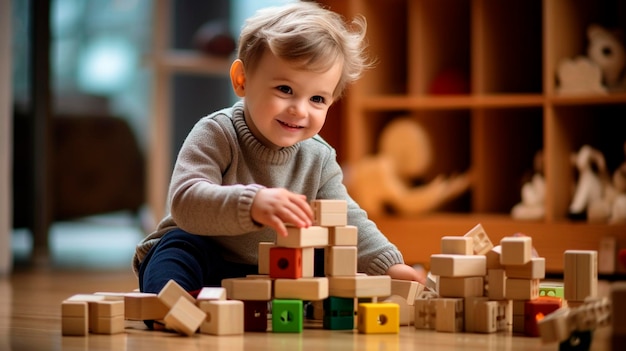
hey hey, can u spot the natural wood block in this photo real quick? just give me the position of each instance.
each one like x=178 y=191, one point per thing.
x=518 y=324
x=264 y=257
x=457 y=245
x=309 y=289
x=461 y=286
x=184 y=317
x=314 y=236
x=331 y=206
x=449 y=315
x=425 y=313
x=493 y=258
x=407 y=311
x=211 y=293
x=340 y=261
x=171 y=292
x=408 y=290
x=533 y=269
x=285 y=262
x=580 y=275
x=607 y=255
x=516 y=250
x=330 y=213
x=308 y=262
x=522 y=289
x=378 y=318
x=99 y=309
x=555 y=327
x=618 y=300
x=496 y=284
x=74 y=318
x=489 y=317
x=471 y=302
x=347 y=235
x=482 y=244
x=248 y=289
x=444 y=265
x=223 y=317
x=88 y=298
x=360 y=286
x=107 y=325
x=144 y=306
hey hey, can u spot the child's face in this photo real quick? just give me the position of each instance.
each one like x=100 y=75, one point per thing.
x=284 y=104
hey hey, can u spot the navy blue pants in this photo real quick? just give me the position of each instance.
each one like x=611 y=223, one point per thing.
x=194 y=261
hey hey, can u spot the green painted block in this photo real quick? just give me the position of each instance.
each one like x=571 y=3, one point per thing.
x=551 y=290
x=338 y=313
x=287 y=316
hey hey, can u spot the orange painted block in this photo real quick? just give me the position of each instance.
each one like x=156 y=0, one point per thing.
x=314 y=236
x=443 y=265
x=285 y=262
x=309 y=289
x=533 y=269
x=347 y=235
x=450 y=315
x=340 y=261
x=184 y=317
x=516 y=250
x=222 y=317
x=457 y=245
x=482 y=243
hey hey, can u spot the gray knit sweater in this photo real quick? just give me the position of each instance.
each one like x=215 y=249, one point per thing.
x=220 y=168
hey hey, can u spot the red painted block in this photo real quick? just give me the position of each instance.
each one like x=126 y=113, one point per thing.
x=285 y=262
x=255 y=316
x=535 y=310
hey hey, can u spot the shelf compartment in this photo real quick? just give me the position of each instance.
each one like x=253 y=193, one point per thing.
x=451 y=102
x=571 y=127
x=504 y=144
x=507 y=50
x=439 y=47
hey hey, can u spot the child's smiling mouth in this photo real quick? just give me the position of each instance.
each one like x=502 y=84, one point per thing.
x=289 y=125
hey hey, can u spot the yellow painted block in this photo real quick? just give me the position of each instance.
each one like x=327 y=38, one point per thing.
x=379 y=318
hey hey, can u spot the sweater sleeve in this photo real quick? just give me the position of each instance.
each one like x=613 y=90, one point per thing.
x=375 y=252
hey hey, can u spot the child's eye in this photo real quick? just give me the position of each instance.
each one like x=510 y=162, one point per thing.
x=318 y=99
x=284 y=89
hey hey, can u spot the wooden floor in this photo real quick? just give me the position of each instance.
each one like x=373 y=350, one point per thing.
x=30 y=320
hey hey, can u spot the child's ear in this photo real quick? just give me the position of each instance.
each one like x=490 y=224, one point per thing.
x=238 y=78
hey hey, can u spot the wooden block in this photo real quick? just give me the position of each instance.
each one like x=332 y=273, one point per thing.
x=518 y=323
x=493 y=258
x=211 y=294
x=74 y=318
x=618 y=300
x=482 y=243
x=309 y=289
x=534 y=269
x=457 y=245
x=378 y=318
x=522 y=289
x=449 y=315
x=486 y=317
x=536 y=310
x=171 y=292
x=330 y=206
x=444 y=265
x=432 y=282
x=314 y=236
x=264 y=257
x=143 y=306
x=255 y=316
x=580 y=275
x=425 y=313
x=87 y=298
x=107 y=325
x=556 y=327
x=496 y=284
x=516 y=250
x=461 y=286
x=106 y=308
x=308 y=262
x=247 y=289
x=184 y=317
x=519 y=307
x=347 y=235
x=223 y=317
x=470 y=319
x=285 y=262
x=287 y=316
x=340 y=261
x=360 y=286
x=330 y=213
x=407 y=311
x=408 y=290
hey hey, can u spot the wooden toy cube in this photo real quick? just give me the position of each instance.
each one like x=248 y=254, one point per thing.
x=493 y=258
x=287 y=316
x=253 y=289
x=449 y=315
x=533 y=269
x=338 y=313
x=171 y=292
x=343 y=236
x=223 y=317
x=340 y=260
x=425 y=313
x=522 y=289
x=580 y=274
x=211 y=294
x=74 y=318
x=496 y=284
x=285 y=262
x=330 y=213
x=516 y=250
x=255 y=316
x=184 y=317
x=461 y=286
x=408 y=290
x=378 y=318
x=360 y=286
x=407 y=311
x=309 y=289
x=482 y=243
x=106 y=317
x=457 y=245
x=471 y=304
x=444 y=265
x=140 y=306
x=264 y=257
x=313 y=236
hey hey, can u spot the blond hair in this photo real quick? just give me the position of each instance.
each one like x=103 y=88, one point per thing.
x=305 y=33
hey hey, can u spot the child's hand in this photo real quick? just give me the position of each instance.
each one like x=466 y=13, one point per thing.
x=274 y=207
x=404 y=272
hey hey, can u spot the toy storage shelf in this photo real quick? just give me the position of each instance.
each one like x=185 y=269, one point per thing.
x=508 y=53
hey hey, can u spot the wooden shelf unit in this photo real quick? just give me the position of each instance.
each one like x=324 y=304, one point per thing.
x=509 y=51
